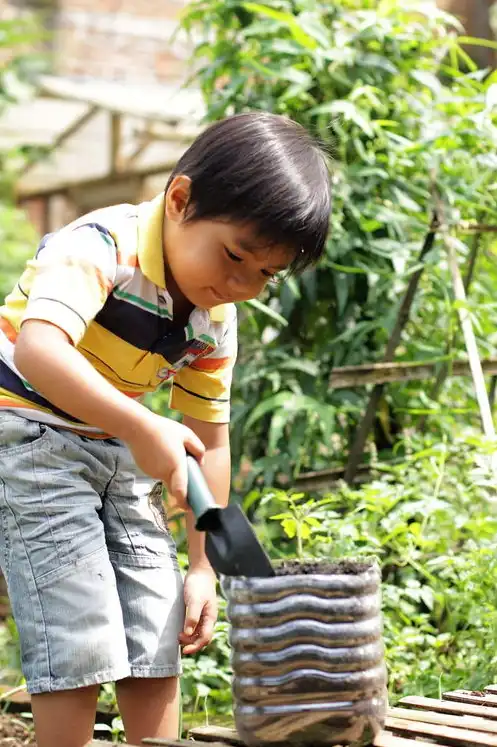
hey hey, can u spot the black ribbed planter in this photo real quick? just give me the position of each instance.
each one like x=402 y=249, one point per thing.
x=307 y=654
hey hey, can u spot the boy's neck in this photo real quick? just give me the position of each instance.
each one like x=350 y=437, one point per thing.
x=182 y=307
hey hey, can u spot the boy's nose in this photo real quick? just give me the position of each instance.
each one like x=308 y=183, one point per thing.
x=242 y=287
x=236 y=282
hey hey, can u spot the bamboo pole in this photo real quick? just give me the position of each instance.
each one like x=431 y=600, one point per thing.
x=357 y=448
x=471 y=346
x=445 y=369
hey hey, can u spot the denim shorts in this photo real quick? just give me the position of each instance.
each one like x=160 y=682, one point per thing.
x=91 y=568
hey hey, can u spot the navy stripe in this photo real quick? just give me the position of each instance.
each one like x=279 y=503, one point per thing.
x=200 y=396
x=143 y=329
x=13 y=384
x=101 y=229
x=43 y=243
x=98 y=226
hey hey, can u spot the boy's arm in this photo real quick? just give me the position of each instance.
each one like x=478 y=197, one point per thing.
x=46 y=358
x=200 y=582
x=217 y=470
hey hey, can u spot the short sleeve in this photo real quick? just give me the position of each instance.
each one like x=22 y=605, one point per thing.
x=72 y=276
x=202 y=390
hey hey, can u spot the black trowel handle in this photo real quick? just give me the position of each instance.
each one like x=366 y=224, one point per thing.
x=200 y=498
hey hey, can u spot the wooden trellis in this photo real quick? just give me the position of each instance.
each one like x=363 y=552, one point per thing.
x=381 y=373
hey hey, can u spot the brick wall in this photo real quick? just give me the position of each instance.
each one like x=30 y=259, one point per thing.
x=115 y=40
x=122 y=40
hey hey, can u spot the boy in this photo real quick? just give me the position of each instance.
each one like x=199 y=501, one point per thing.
x=113 y=305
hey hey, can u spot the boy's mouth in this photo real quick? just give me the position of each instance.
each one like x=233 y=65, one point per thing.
x=219 y=297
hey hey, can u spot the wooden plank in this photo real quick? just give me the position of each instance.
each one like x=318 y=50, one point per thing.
x=491 y=689
x=25 y=192
x=442 y=706
x=64 y=88
x=430 y=717
x=115 y=143
x=384 y=739
x=216 y=733
x=17 y=695
x=63 y=136
x=475 y=697
x=348 y=377
x=445 y=734
x=157 y=742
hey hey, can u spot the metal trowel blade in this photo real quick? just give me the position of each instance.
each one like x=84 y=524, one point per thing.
x=233 y=548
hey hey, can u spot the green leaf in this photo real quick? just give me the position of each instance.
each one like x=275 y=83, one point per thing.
x=476 y=42
x=349 y=111
x=286 y=19
x=289 y=527
x=427 y=79
x=271 y=313
x=289 y=402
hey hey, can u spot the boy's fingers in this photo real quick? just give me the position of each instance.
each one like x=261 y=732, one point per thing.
x=203 y=635
x=179 y=480
x=192 y=617
x=194 y=445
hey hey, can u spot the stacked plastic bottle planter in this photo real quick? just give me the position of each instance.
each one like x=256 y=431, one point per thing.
x=308 y=655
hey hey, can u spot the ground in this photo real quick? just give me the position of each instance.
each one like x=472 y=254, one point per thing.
x=15 y=731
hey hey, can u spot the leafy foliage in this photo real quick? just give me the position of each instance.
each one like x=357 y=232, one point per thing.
x=17 y=75
x=431 y=521
x=406 y=117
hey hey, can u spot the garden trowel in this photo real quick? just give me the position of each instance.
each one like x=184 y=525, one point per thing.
x=230 y=542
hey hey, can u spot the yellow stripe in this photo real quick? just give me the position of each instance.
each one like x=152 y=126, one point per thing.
x=128 y=368
x=7 y=399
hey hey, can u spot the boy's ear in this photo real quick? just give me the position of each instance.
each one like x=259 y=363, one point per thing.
x=177 y=198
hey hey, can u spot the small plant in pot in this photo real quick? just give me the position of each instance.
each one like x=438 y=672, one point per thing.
x=307 y=652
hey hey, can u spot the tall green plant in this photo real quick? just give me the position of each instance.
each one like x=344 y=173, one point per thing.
x=431 y=521
x=382 y=85
x=17 y=77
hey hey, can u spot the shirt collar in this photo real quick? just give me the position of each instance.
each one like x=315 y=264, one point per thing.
x=150 y=252
x=150 y=248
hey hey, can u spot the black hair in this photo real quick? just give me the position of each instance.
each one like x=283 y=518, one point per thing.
x=266 y=170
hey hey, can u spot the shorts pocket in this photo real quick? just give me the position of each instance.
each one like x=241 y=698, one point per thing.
x=18 y=433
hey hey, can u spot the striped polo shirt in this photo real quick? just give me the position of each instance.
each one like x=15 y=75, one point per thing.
x=102 y=280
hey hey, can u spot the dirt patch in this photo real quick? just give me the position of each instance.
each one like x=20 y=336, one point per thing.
x=321 y=568
x=15 y=732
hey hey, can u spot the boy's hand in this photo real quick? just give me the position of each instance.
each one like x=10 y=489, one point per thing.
x=159 y=449
x=201 y=609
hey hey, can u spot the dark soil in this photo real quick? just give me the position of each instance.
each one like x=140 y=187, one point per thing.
x=321 y=568
x=15 y=732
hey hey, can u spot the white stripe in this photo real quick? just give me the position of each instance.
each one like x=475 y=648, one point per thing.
x=49 y=419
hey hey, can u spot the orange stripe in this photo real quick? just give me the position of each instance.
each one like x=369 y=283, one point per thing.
x=210 y=364
x=104 y=283
x=8 y=330
x=130 y=261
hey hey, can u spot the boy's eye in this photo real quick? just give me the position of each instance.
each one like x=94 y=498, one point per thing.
x=233 y=257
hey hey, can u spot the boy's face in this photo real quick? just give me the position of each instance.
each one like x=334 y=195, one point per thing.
x=212 y=262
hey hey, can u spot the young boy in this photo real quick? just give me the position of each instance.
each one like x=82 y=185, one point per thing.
x=113 y=305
